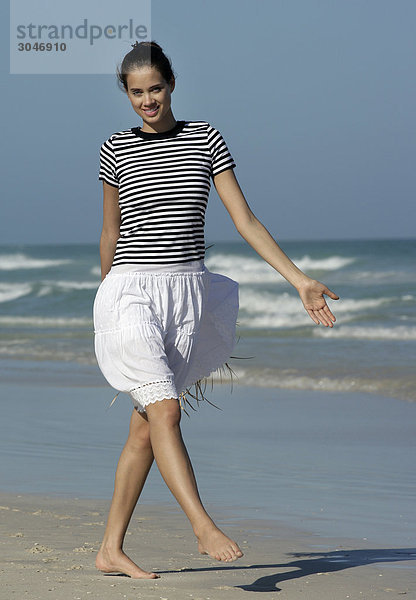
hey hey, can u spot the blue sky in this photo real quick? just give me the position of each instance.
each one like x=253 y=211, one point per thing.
x=315 y=99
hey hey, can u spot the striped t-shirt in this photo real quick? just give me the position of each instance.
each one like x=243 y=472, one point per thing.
x=164 y=179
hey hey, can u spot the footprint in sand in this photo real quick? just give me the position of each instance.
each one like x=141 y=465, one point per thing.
x=85 y=548
x=50 y=559
x=38 y=548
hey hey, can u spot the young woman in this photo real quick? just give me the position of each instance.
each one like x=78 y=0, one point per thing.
x=162 y=320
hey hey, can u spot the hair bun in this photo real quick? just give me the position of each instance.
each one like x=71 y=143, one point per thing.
x=151 y=44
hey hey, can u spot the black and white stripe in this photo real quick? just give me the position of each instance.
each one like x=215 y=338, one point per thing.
x=164 y=181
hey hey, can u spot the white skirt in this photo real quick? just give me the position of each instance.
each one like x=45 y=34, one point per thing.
x=160 y=329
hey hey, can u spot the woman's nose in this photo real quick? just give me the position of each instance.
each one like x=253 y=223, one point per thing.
x=147 y=100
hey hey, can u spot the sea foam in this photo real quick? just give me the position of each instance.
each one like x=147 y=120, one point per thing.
x=392 y=386
x=262 y=309
x=369 y=333
x=67 y=285
x=33 y=321
x=18 y=261
x=252 y=270
x=12 y=291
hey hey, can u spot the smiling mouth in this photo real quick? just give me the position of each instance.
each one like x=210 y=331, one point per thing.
x=152 y=111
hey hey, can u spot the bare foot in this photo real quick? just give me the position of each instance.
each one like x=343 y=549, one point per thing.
x=214 y=542
x=115 y=561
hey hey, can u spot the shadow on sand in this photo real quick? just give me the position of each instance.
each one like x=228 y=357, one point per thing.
x=326 y=562
x=307 y=563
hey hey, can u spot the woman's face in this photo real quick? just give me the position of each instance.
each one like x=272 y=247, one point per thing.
x=150 y=95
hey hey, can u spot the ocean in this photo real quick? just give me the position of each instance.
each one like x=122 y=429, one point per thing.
x=47 y=293
x=317 y=431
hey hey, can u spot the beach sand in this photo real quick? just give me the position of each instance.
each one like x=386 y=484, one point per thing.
x=317 y=488
x=48 y=547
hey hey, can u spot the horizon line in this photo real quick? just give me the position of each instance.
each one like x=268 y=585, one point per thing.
x=228 y=241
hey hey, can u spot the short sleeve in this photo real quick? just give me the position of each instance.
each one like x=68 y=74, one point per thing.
x=107 y=170
x=221 y=157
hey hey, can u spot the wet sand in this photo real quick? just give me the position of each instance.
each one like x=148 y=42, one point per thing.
x=48 y=547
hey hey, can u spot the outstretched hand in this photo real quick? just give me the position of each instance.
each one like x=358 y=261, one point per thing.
x=312 y=295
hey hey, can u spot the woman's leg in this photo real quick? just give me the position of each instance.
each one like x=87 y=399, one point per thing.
x=175 y=467
x=132 y=469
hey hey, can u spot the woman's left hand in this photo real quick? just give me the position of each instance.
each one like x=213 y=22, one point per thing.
x=312 y=295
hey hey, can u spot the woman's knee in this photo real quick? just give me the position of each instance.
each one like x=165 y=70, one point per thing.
x=139 y=433
x=165 y=412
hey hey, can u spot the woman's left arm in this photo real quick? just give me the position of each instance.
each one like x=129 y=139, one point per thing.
x=311 y=291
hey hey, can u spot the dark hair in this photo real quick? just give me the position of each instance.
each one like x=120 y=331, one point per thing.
x=144 y=54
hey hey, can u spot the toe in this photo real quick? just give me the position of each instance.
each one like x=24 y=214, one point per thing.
x=227 y=556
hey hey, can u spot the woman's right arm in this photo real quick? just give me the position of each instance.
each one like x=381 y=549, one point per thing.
x=111 y=227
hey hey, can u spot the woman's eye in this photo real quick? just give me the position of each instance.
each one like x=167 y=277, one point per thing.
x=136 y=93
